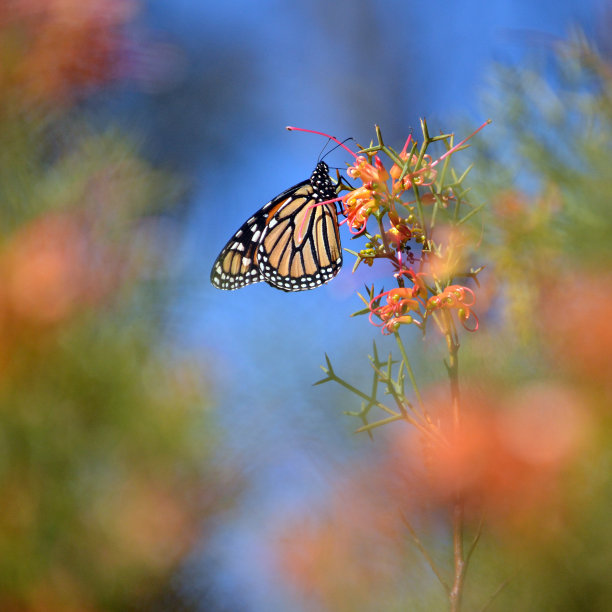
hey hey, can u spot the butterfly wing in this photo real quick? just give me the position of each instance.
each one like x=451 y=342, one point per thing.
x=236 y=266
x=292 y=242
x=301 y=248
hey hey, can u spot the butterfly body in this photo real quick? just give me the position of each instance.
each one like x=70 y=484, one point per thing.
x=292 y=243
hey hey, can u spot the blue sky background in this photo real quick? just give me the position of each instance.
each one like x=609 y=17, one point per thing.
x=245 y=71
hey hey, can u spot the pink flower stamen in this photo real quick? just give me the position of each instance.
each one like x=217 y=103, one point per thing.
x=457 y=146
x=297 y=129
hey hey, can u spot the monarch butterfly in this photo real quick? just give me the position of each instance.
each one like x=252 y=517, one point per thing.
x=292 y=243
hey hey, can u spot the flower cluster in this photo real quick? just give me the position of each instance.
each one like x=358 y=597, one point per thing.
x=375 y=195
x=454 y=297
x=402 y=304
x=401 y=222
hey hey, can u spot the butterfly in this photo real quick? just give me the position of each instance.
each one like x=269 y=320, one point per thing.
x=288 y=243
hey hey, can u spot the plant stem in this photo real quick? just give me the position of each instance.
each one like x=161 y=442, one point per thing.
x=408 y=367
x=452 y=344
x=425 y=554
x=459 y=564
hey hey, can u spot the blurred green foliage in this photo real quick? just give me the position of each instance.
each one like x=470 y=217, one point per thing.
x=105 y=436
x=548 y=244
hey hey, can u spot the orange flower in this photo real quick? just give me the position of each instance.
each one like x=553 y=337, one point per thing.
x=52 y=267
x=321 y=551
x=396 y=170
x=60 y=48
x=579 y=331
x=508 y=457
x=459 y=298
x=424 y=176
x=400 y=302
x=359 y=204
x=366 y=172
x=399 y=233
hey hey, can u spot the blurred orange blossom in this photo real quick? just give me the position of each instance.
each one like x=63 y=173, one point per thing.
x=54 y=50
x=508 y=458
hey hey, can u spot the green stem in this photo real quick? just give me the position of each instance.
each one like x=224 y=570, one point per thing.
x=380 y=423
x=442 y=175
x=383 y=235
x=364 y=396
x=471 y=214
x=386 y=379
x=420 y=210
x=459 y=561
x=417 y=393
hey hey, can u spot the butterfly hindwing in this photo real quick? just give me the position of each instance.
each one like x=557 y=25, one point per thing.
x=236 y=265
x=292 y=242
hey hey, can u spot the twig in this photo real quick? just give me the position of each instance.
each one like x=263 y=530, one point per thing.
x=474 y=541
x=497 y=591
x=456 y=593
x=417 y=393
x=430 y=561
x=459 y=563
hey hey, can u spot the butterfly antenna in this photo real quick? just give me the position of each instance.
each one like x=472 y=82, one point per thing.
x=321 y=156
x=338 y=145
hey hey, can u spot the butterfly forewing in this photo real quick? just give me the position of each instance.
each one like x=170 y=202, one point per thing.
x=292 y=243
x=295 y=260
